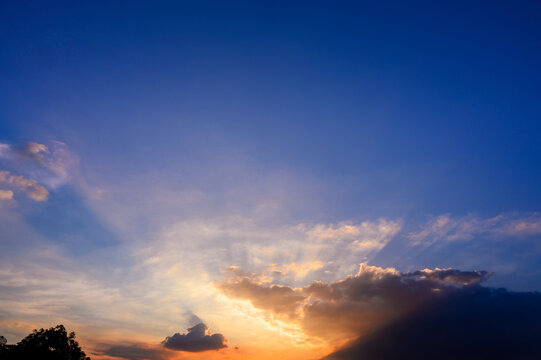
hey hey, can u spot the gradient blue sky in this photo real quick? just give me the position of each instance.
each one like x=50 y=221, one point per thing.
x=189 y=129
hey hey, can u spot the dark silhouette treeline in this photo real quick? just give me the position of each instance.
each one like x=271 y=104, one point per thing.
x=44 y=344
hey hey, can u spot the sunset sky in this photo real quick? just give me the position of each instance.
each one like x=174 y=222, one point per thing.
x=266 y=179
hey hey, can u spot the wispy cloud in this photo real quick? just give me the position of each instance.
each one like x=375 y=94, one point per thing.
x=34 y=151
x=363 y=236
x=298 y=253
x=51 y=165
x=448 y=229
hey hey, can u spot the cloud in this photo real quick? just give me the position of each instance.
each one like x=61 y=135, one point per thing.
x=473 y=323
x=34 y=150
x=301 y=269
x=280 y=300
x=31 y=151
x=135 y=351
x=50 y=165
x=448 y=229
x=356 y=305
x=6 y=194
x=197 y=339
x=5 y=151
x=30 y=187
x=297 y=254
x=61 y=164
x=366 y=235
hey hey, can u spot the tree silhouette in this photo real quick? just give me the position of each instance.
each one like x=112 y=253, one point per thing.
x=46 y=344
x=3 y=349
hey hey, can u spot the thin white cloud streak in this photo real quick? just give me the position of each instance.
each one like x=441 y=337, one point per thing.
x=365 y=236
x=445 y=228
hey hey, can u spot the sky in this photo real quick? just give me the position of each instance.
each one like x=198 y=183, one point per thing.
x=263 y=180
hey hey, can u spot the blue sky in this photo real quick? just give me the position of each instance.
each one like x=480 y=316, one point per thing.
x=205 y=133
x=419 y=102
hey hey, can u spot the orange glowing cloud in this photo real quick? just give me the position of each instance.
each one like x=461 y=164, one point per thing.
x=335 y=312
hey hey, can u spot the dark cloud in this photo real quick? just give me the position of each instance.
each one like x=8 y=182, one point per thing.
x=197 y=339
x=472 y=323
x=354 y=306
x=134 y=351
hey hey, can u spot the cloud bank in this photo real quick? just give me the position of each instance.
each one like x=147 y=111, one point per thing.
x=351 y=307
x=381 y=313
